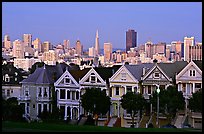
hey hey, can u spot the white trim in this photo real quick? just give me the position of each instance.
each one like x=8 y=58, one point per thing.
x=63 y=76
x=119 y=72
x=186 y=68
x=87 y=76
x=151 y=71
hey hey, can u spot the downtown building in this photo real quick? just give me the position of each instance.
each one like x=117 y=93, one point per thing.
x=131 y=39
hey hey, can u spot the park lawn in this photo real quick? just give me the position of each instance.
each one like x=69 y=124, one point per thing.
x=8 y=126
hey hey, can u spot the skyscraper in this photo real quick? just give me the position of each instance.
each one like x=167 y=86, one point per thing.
x=97 y=48
x=187 y=43
x=7 y=42
x=66 y=44
x=79 y=48
x=107 y=51
x=27 y=40
x=18 y=49
x=131 y=39
x=37 y=44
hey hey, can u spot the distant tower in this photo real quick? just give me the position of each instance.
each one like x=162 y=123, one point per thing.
x=27 y=40
x=97 y=48
x=7 y=42
x=79 y=48
x=187 y=43
x=107 y=51
x=131 y=39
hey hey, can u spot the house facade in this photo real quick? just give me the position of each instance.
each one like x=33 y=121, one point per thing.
x=189 y=80
x=68 y=93
x=126 y=79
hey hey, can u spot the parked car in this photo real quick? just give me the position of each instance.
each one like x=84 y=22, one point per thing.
x=168 y=126
x=187 y=126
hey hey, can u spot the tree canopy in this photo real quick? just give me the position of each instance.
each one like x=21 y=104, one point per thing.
x=170 y=100
x=195 y=102
x=132 y=103
x=95 y=101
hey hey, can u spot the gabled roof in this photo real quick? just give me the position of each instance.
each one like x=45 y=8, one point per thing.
x=106 y=72
x=137 y=70
x=198 y=63
x=79 y=74
x=171 y=69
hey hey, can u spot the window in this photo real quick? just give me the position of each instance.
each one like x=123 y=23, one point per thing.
x=197 y=85
x=27 y=108
x=26 y=93
x=129 y=88
x=192 y=73
x=156 y=75
x=67 y=81
x=123 y=76
x=45 y=92
x=44 y=107
x=184 y=87
x=77 y=95
x=117 y=91
x=93 y=79
x=62 y=94
x=73 y=95
x=149 y=90
x=11 y=90
x=33 y=105
x=40 y=92
x=68 y=94
x=8 y=92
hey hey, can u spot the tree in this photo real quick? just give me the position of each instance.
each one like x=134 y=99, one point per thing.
x=11 y=109
x=33 y=68
x=95 y=101
x=170 y=101
x=132 y=103
x=195 y=102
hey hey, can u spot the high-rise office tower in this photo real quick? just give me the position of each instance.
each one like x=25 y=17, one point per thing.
x=97 y=47
x=131 y=39
x=107 y=51
x=195 y=52
x=37 y=45
x=66 y=44
x=187 y=43
x=27 y=40
x=18 y=49
x=79 y=48
x=7 y=42
x=91 y=51
x=46 y=46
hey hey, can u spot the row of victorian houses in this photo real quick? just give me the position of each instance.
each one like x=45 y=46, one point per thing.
x=36 y=91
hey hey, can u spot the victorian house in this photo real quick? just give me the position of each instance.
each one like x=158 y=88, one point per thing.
x=189 y=80
x=37 y=90
x=68 y=92
x=126 y=79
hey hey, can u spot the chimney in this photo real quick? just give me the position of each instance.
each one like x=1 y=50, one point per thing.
x=143 y=71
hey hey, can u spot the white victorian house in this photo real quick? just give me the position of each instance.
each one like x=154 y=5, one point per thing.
x=98 y=77
x=189 y=80
x=126 y=79
x=68 y=93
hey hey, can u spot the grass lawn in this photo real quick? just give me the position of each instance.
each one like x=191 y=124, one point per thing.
x=8 y=126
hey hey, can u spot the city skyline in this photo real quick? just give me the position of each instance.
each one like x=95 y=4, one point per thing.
x=155 y=21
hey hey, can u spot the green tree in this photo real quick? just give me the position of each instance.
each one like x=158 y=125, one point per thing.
x=195 y=102
x=170 y=101
x=132 y=103
x=95 y=101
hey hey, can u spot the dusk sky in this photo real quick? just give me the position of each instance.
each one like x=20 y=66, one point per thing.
x=56 y=21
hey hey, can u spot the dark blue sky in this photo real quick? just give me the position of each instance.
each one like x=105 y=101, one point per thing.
x=54 y=22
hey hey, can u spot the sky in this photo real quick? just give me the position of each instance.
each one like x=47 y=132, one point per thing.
x=56 y=21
